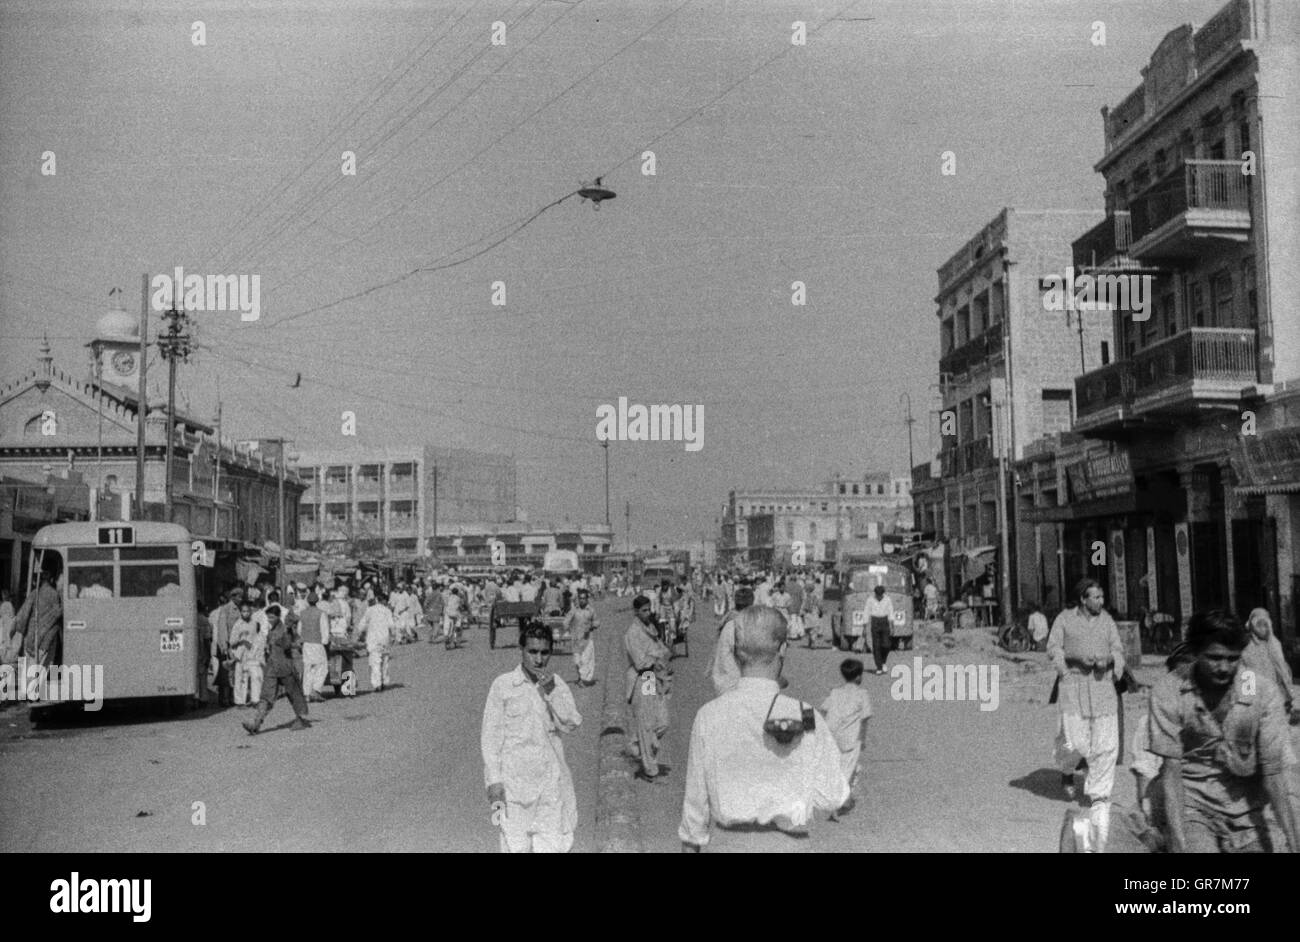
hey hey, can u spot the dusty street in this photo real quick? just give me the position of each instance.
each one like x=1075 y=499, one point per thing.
x=395 y=771
x=400 y=770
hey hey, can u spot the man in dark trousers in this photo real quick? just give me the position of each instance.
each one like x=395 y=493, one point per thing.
x=280 y=671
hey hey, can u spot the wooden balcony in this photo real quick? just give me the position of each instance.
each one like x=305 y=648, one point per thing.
x=1191 y=212
x=1105 y=245
x=1201 y=368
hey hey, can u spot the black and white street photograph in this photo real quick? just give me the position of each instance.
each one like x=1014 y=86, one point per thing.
x=651 y=426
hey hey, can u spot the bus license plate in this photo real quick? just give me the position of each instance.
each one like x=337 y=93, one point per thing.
x=859 y=618
x=172 y=641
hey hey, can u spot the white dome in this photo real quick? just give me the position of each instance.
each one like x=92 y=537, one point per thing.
x=118 y=325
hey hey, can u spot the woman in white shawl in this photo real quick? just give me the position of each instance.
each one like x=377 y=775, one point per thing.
x=1264 y=653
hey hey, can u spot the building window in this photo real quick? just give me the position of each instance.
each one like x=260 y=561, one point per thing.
x=979 y=313
x=962 y=330
x=401 y=473
x=812 y=532
x=1056 y=411
x=855 y=489
x=1196 y=301
x=789 y=529
x=1105 y=352
x=368 y=474
x=336 y=474
x=1248 y=279
x=1221 y=292
x=842 y=491
x=336 y=513
x=945 y=337
x=824 y=507
x=997 y=303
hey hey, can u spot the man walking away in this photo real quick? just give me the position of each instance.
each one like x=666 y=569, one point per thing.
x=760 y=764
x=724 y=672
x=314 y=631
x=377 y=630
x=848 y=710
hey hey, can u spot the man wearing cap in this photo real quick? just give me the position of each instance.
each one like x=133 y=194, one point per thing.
x=723 y=669
x=760 y=791
x=580 y=623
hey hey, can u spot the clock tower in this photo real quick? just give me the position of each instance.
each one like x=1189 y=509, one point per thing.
x=116 y=350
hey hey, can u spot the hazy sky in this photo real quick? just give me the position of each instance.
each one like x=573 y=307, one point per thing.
x=775 y=163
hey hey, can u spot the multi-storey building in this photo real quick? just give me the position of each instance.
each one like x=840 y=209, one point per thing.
x=1006 y=371
x=383 y=501
x=1195 y=426
x=761 y=526
x=87 y=429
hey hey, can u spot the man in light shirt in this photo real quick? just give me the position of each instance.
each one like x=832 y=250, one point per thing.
x=761 y=793
x=1085 y=649
x=880 y=616
x=528 y=591
x=377 y=630
x=529 y=786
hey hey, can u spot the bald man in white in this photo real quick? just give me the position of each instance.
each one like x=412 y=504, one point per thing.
x=760 y=793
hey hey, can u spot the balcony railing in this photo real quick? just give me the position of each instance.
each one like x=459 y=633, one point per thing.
x=1197 y=184
x=973 y=352
x=1105 y=243
x=1202 y=353
x=1224 y=355
x=921 y=474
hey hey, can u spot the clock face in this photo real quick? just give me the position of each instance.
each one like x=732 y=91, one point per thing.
x=124 y=362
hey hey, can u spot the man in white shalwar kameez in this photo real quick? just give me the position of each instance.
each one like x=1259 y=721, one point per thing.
x=529 y=787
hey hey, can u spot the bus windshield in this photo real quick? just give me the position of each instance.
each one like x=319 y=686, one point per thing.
x=865 y=580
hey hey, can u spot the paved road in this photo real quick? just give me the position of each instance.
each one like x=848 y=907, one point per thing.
x=936 y=776
x=400 y=770
x=394 y=771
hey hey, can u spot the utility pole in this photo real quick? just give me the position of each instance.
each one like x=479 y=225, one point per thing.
x=909 y=422
x=97 y=352
x=1004 y=569
x=142 y=406
x=435 y=511
x=216 y=475
x=172 y=346
x=627 y=526
x=279 y=513
x=605 y=445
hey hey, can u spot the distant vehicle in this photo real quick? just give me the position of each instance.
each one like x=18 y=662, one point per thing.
x=857 y=583
x=561 y=563
x=665 y=566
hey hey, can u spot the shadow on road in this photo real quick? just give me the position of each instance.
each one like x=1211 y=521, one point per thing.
x=1045 y=783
